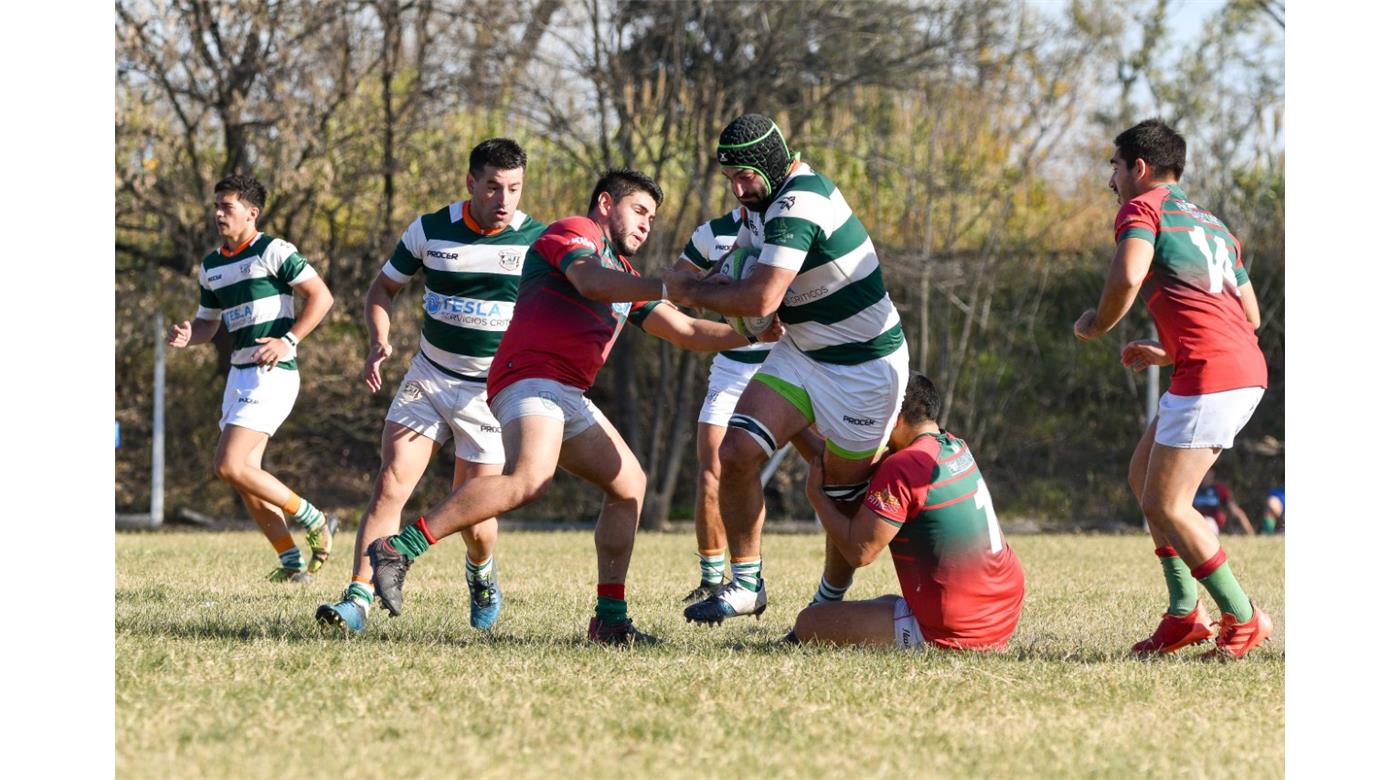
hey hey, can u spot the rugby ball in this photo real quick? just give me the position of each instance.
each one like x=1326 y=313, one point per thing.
x=738 y=265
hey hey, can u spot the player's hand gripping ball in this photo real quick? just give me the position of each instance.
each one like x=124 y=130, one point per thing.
x=738 y=265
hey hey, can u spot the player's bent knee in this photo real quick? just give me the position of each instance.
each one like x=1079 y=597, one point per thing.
x=739 y=452
x=529 y=488
x=805 y=627
x=228 y=471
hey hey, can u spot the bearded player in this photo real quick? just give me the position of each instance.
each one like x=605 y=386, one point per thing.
x=961 y=585
x=1188 y=265
x=730 y=372
x=577 y=290
x=841 y=367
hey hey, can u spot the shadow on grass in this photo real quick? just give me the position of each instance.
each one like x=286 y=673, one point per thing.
x=1039 y=650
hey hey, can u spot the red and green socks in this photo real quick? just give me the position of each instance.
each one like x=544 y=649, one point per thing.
x=1217 y=578
x=612 y=603
x=1181 y=587
x=414 y=540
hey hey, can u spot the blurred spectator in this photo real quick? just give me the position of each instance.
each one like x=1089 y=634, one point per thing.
x=1214 y=501
x=1273 y=512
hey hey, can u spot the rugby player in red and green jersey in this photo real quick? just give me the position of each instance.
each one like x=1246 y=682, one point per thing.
x=961 y=584
x=1188 y=264
x=577 y=289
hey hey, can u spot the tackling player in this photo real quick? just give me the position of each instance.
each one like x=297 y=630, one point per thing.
x=1194 y=281
x=470 y=253
x=730 y=372
x=576 y=292
x=842 y=366
x=961 y=583
x=248 y=284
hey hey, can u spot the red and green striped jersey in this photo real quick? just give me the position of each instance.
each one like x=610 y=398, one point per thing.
x=955 y=568
x=470 y=281
x=250 y=289
x=556 y=332
x=1193 y=292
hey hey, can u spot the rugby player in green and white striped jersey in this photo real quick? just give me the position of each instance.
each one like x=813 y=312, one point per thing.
x=470 y=253
x=248 y=285
x=842 y=365
x=730 y=373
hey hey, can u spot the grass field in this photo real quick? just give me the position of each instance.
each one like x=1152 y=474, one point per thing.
x=221 y=675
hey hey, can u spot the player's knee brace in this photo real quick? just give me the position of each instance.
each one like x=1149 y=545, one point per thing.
x=846 y=492
x=757 y=430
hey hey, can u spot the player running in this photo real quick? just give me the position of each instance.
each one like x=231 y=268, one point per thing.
x=470 y=254
x=577 y=290
x=1200 y=298
x=248 y=285
x=961 y=583
x=842 y=365
x=730 y=372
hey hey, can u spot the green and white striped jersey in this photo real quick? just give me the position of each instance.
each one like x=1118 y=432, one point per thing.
x=471 y=280
x=251 y=291
x=707 y=246
x=837 y=309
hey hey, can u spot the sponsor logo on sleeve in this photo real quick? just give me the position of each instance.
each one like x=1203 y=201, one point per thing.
x=583 y=241
x=884 y=501
x=786 y=202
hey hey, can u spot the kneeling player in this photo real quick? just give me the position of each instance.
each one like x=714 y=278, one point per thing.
x=962 y=584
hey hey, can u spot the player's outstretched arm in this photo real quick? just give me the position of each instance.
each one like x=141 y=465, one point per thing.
x=605 y=285
x=757 y=296
x=859 y=539
x=667 y=322
x=1125 y=276
x=379 y=302
x=183 y=334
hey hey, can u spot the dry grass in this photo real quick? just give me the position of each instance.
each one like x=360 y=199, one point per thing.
x=219 y=674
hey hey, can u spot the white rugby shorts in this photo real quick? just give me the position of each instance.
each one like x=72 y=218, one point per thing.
x=546 y=398
x=907 y=634
x=259 y=399
x=437 y=405
x=1200 y=421
x=728 y=378
x=854 y=407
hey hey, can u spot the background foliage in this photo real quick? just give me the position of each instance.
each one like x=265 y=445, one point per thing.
x=971 y=138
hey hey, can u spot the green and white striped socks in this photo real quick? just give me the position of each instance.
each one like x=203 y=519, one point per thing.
x=747 y=574
x=712 y=566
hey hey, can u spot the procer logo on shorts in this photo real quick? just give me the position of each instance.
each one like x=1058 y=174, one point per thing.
x=490 y=428
x=861 y=421
x=243 y=399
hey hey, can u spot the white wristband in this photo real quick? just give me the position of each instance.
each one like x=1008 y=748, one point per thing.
x=291 y=342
